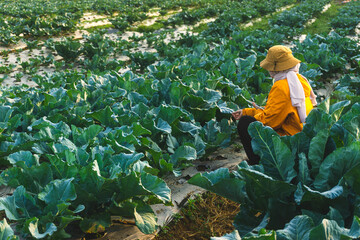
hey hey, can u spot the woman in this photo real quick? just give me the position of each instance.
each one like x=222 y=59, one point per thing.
x=290 y=100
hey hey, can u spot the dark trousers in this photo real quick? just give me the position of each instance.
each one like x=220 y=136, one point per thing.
x=245 y=138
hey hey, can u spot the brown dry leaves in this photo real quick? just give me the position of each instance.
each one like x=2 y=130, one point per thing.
x=207 y=216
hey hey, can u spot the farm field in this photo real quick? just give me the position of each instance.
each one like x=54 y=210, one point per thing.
x=108 y=106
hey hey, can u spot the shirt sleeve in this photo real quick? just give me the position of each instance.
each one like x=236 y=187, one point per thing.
x=251 y=111
x=275 y=111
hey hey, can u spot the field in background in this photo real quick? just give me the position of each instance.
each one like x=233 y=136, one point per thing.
x=102 y=102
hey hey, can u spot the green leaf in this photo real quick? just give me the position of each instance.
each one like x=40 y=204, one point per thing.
x=228 y=69
x=250 y=220
x=89 y=186
x=5 y=113
x=316 y=121
x=304 y=174
x=126 y=160
x=83 y=136
x=163 y=126
x=347 y=129
x=26 y=202
x=215 y=134
x=200 y=48
x=64 y=169
x=304 y=194
x=105 y=117
x=284 y=160
x=199 y=145
x=222 y=183
x=227 y=108
x=353 y=112
x=275 y=155
x=325 y=105
x=8 y=204
x=6 y=232
x=337 y=108
x=317 y=150
x=183 y=153
x=137 y=98
x=335 y=215
x=63 y=145
x=314 y=215
x=157 y=186
x=352 y=178
x=34 y=179
x=188 y=127
x=297 y=229
x=280 y=212
x=170 y=113
x=328 y=229
x=299 y=143
x=203 y=115
x=247 y=63
x=210 y=96
x=79 y=208
x=58 y=191
x=353 y=127
x=139 y=130
x=261 y=187
x=172 y=143
x=355 y=228
x=23 y=156
x=336 y=165
x=32 y=225
x=128 y=187
x=60 y=128
x=202 y=76
x=145 y=219
x=140 y=109
x=177 y=94
x=21 y=200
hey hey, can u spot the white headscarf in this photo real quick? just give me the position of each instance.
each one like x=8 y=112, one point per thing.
x=297 y=93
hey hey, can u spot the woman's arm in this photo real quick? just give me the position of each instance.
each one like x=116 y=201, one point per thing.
x=277 y=108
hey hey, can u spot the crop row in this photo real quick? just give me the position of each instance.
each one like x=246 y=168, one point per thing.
x=98 y=53
x=26 y=19
x=72 y=49
x=347 y=19
x=24 y=8
x=240 y=12
x=292 y=22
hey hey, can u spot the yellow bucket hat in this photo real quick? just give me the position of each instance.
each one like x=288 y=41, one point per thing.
x=279 y=58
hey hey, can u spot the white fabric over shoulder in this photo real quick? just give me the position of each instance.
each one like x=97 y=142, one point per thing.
x=297 y=93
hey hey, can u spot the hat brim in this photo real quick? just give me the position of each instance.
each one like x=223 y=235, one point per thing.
x=279 y=66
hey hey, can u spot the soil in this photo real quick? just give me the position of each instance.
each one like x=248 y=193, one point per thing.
x=206 y=216
x=2 y=215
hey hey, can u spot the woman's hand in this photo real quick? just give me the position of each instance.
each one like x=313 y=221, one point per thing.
x=237 y=114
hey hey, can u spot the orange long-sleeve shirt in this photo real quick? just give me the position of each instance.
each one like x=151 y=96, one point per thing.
x=279 y=113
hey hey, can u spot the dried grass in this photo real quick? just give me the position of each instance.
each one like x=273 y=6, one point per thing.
x=206 y=216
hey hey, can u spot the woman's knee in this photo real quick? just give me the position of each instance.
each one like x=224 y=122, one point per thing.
x=244 y=123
